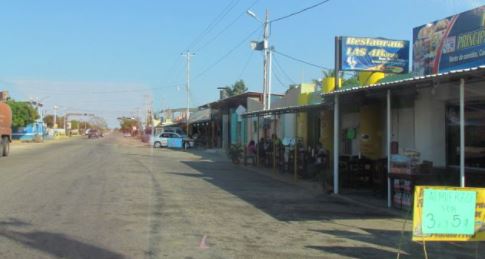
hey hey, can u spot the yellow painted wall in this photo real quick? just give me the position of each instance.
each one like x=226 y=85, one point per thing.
x=369 y=78
x=302 y=124
x=370 y=126
x=329 y=84
x=304 y=97
x=306 y=90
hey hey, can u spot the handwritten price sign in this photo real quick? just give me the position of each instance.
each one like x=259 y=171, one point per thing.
x=448 y=212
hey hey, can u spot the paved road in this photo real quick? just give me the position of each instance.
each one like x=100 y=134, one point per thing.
x=115 y=198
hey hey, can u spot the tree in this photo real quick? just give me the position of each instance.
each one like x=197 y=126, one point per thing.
x=74 y=124
x=49 y=121
x=127 y=124
x=328 y=73
x=23 y=113
x=236 y=89
x=98 y=123
x=348 y=81
x=351 y=81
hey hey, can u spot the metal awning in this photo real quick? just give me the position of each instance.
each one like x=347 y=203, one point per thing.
x=417 y=81
x=200 y=116
x=284 y=110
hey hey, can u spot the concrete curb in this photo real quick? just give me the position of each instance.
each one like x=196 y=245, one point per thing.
x=315 y=189
x=312 y=187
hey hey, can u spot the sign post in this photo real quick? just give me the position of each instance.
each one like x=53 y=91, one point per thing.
x=449 y=214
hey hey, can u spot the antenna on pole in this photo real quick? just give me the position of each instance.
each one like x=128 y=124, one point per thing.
x=188 y=55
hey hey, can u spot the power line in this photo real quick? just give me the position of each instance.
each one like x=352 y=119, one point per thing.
x=282 y=70
x=209 y=28
x=246 y=64
x=213 y=23
x=87 y=92
x=278 y=79
x=299 y=12
x=300 y=60
x=227 y=54
x=227 y=27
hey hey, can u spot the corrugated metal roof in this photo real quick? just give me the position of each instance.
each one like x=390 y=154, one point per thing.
x=412 y=80
x=379 y=86
x=289 y=109
x=200 y=116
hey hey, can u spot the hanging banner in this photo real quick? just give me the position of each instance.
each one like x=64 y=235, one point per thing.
x=455 y=42
x=374 y=54
x=448 y=214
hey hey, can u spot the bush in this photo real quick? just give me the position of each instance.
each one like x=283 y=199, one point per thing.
x=235 y=153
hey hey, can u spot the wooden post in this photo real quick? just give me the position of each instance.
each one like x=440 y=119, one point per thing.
x=336 y=143
x=274 y=145
x=257 y=140
x=462 y=133
x=389 y=139
x=295 y=174
x=212 y=134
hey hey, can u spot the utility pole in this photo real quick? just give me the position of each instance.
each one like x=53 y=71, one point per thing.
x=265 y=47
x=55 y=117
x=267 y=62
x=188 y=55
x=148 y=109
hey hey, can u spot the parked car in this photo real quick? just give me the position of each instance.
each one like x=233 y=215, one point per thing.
x=94 y=133
x=172 y=140
x=177 y=130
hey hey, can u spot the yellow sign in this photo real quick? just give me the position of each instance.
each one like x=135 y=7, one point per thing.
x=443 y=214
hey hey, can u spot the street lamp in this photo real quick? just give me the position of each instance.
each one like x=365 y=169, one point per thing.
x=252 y=14
x=55 y=116
x=264 y=46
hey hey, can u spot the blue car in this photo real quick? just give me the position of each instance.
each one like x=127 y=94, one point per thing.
x=172 y=140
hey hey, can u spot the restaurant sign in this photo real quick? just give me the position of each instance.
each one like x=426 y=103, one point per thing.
x=455 y=42
x=374 y=54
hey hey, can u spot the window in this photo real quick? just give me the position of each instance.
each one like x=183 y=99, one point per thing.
x=166 y=135
x=474 y=134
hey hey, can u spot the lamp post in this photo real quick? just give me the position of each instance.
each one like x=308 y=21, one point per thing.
x=264 y=46
x=55 y=117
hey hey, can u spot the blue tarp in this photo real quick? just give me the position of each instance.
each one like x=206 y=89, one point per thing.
x=175 y=142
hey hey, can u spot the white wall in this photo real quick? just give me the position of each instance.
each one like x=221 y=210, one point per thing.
x=351 y=120
x=403 y=128
x=289 y=125
x=430 y=136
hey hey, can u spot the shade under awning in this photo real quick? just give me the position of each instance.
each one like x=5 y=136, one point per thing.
x=200 y=116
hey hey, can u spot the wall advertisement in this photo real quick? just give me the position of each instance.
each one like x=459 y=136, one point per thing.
x=374 y=54
x=452 y=43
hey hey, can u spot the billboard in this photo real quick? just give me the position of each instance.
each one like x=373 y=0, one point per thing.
x=455 y=42
x=374 y=54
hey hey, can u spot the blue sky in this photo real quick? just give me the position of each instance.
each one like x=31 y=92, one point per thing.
x=105 y=56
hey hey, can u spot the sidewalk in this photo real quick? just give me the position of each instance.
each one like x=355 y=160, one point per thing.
x=18 y=146
x=363 y=199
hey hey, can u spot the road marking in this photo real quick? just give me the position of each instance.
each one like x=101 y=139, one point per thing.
x=203 y=244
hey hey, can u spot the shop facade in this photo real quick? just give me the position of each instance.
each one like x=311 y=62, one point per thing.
x=425 y=130
x=226 y=124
